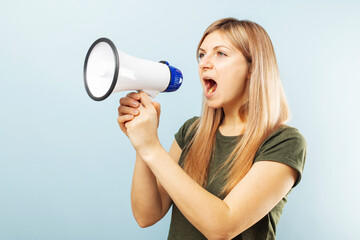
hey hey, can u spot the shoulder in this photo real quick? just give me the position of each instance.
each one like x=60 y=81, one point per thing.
x=186 y=131
x=190 y=121
x=284 y=134
x=285 y=145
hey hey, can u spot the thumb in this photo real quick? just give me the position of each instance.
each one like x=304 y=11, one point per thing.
x=157 y=107
x=145 y=99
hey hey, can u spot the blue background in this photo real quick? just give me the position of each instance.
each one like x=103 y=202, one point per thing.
x=65 y=166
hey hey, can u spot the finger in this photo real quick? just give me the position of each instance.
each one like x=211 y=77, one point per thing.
x=134 y=95
x=128 y=101
x=124 y=110
x=123 y=119
x=145 y=100
x=157 y=107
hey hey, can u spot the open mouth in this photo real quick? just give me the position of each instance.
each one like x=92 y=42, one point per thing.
x=210 y=85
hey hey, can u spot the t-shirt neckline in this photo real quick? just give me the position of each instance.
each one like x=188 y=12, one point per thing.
x=219 y=134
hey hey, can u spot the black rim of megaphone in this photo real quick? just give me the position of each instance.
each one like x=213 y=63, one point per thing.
x=116 y=56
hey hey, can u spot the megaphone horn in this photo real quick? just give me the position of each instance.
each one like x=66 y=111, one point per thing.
x=107 y=70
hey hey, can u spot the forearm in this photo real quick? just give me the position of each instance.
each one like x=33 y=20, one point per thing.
x=205 y=211
x=145 y=197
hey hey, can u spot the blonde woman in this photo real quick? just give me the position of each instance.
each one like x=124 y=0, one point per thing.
x=228 y=172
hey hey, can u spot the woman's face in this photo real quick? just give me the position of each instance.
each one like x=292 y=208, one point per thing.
x=223 y=72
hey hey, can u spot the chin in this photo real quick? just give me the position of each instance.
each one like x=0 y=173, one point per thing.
x=212 y=104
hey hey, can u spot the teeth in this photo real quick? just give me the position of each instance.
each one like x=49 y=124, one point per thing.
x=211 y=90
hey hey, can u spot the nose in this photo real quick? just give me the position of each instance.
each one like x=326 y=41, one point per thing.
x=205 y=63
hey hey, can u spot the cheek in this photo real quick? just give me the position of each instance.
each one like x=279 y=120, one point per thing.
x=235 y=82
x=200 y=73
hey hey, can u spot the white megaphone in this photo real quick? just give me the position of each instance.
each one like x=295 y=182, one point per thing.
x=107 y=70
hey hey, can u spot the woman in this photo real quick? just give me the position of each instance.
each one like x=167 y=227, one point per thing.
x=228 y=172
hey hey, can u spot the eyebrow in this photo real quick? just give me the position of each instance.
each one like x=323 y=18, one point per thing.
x=216 y=47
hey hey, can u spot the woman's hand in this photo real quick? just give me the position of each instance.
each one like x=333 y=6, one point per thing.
x=128 y=109
x=139 y=119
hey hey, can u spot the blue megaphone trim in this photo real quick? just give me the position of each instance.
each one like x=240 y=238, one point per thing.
x=176 y=78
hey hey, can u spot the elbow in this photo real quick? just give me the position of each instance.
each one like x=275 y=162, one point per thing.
x=145 y=220
x=221 y=231
x=218 y=236
x=144 y=223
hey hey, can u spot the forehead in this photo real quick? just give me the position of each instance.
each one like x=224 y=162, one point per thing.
x=214 y=39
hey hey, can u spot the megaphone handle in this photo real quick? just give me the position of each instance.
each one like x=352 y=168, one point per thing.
x=152 y=93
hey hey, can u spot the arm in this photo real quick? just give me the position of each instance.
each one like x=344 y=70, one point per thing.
x=252 y=198
x=149 y=200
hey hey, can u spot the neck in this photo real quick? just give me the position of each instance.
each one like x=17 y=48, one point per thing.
x=232 y=125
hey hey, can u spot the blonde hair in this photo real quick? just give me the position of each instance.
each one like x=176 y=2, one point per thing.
x=264 y=111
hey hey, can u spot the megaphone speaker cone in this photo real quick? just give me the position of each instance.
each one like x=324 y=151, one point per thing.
x=101 y=69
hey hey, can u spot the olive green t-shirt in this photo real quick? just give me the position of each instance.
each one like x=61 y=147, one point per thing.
x=285 y=145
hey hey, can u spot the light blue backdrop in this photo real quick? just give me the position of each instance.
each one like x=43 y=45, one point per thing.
x=65 y=166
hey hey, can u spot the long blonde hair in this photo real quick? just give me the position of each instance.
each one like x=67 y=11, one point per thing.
x=264 y=111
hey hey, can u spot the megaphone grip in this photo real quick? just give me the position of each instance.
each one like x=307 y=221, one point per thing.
x=152 y=93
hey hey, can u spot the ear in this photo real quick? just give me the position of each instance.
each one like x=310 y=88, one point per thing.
x=249 y=74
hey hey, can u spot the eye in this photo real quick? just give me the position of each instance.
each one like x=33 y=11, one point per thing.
x=221 y=53
x=200 y=55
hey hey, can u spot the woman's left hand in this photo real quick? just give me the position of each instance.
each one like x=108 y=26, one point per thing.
x=142 y=129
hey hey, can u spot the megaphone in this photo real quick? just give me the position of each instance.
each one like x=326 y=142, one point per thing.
x=107 y=70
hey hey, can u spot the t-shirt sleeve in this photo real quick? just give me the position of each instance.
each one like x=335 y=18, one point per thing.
x=181 y=137
x=286 y=146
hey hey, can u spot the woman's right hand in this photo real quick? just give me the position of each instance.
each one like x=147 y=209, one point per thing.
x=128 y=109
